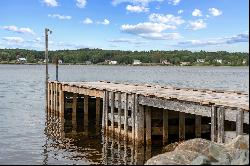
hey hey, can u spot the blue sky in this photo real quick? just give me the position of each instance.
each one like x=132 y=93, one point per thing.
x=194 y=25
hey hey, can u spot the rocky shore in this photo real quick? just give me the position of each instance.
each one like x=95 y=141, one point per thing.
x=204 y=152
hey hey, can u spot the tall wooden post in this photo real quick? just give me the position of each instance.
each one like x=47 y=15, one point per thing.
x=139 y=123
x=97 y=111
x=214 y=123
x=126 y=118
x=61 y=102
x=165 y=127
x=86 y=112
x=148 y=126
x=74 y=106
x=239 y=122
x=181 y=126
x=46 y=61
x=112 y=105
x=119 y=113
x=220 y=122
x=198 y=126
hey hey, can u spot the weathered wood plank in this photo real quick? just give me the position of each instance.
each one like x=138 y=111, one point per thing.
x=86 y=112
x=119 y=113
x=239 y=122
x=74 y=106
x=181 y=126
x=148 y=126
x=165 y=127
x=214 y=124
x=198 y=126
x=220 y=123
x=126 y=118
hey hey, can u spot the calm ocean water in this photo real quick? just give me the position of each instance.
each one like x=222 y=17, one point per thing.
x=28 y=136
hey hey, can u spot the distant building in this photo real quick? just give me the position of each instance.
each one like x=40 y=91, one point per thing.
x=113 y=62
x=200 y=60
x=218 y=60
x=60 y=61
x=88 y=62
x=22 y=60
x=166 y=62
x=185 y=63
x=137 y=62
x=244 y=62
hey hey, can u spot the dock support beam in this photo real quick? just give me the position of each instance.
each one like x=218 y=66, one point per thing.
x=107 y=111
x=133 y=111
x=165 y=127
x=104 y=110
x=197 y=126
x=214 y=123
x=221 y=121
x=139 y=123
x=48 y=99
x=148 y=126
x=86 y=112
x=61 y=102
x=119 y=113
x=97 y=111
x=239 y=122
x=112 y=105
x=181 y=126
x=74 y=106
x=126 y=118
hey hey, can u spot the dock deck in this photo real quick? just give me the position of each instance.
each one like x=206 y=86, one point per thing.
x=132 y=110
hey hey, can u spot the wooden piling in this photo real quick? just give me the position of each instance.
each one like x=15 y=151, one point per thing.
x=74 y=106
x=220 y=122
x=165 y=127
x=119 y=113
x=106 y=111
x=239 y=122
x=139 y=125
x=214 y=123
x=48 y=99
x=133 y=111
x=86 y=112
x=181 y=126
x=148 y=126
x=61 y=102
x=103 y=109
x=197 y=126
x=126 y=118
x=97 y=111
x=112 y=105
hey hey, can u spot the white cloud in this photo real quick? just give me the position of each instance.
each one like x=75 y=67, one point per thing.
x=215 y=12
x=168 y=19
x=135 y=2
x=104 y=22
x=197 y=13
x=146 y=27
x=244 y=37
x=15 y=40
x=81 y=3
x=87 y=21
x=130 y=41
x=14 y=28
x=60 y=17
x=180 y=11
x=51 y=3
x=137 y=9
x=174 y=2
x=161 y=36
x=196 y=25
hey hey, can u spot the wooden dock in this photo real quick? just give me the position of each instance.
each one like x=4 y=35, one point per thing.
x=140 y=112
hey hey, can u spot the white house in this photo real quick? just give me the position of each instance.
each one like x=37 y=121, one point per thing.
x=185 y=63
x=218 y=60
x=137 y=62
x=21 y=60
x=60 y=61
x=166 y=62
x=200 y=60
x=113 y=62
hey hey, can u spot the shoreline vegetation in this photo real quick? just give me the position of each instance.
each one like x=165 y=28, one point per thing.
x=88 y=56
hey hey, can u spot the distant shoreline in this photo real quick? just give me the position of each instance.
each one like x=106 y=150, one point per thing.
x=147 y=64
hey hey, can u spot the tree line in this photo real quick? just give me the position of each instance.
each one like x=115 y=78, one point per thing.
x=98 y=56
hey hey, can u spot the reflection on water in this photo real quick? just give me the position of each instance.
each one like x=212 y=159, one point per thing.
x=65 y=144
x=27 y=136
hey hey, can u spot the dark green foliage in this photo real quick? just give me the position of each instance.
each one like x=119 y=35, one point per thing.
x=126 y=57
